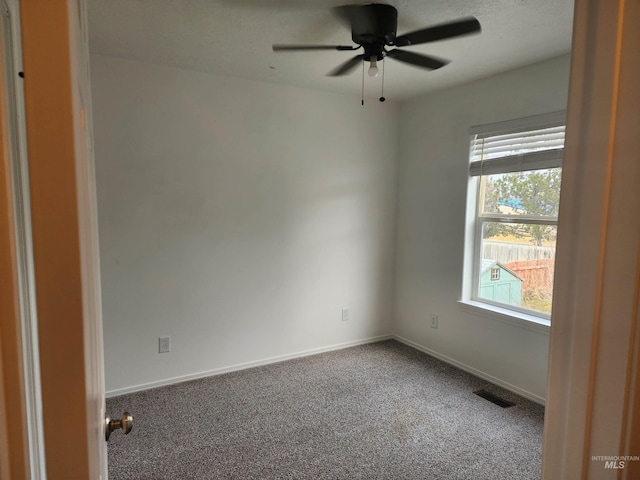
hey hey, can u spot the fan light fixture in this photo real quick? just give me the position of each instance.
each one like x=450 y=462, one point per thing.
x=373 y=67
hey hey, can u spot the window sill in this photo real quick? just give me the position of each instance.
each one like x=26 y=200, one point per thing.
x=523 y=320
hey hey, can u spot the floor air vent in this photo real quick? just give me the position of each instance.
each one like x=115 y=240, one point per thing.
x=501 y=402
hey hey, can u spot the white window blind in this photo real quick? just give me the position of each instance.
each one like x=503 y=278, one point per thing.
x=506 y=152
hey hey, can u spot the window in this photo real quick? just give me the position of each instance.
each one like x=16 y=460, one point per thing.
x=495 y=274
x=515 y=174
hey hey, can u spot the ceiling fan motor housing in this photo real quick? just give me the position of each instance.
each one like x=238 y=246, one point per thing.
x=375 y=29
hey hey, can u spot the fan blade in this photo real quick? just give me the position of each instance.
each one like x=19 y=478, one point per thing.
x=285 y=48
x=439 y=32
x=417 y=59
x=346 y=67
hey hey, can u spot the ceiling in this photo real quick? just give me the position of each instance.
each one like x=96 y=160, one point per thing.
x=234 y=38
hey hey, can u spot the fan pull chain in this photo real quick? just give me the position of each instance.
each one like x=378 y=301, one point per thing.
x=363 y=82
x=382 y=99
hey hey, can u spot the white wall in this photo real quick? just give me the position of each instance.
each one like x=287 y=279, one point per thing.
x=238 y=218
x=433 y=179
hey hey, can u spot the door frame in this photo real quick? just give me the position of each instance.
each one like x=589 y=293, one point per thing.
x=592 y=400
x=65 y=241
x=22 y=429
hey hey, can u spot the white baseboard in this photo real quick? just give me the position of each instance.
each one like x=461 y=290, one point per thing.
x=243 y=366
x=314 y=351
x=478 y=373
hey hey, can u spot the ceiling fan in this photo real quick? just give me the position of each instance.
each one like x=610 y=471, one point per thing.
x=373 y=28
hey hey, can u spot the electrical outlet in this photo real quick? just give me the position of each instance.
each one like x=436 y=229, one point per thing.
x=434 y=320
x=345 y=314
x=164 y=344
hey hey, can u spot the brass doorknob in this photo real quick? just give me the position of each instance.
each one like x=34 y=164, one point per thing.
x=125 y=423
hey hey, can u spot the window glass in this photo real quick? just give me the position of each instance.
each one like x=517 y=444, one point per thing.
x=535 y=192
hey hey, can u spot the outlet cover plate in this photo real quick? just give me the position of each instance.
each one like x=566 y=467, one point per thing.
x=434 y=320
x=164 y=344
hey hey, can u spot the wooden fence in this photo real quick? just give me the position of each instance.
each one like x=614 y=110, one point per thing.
x=505 y=252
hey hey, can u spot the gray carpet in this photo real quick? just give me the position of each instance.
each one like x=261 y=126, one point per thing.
x=378 y=411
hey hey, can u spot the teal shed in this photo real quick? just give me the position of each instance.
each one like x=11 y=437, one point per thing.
x=500 y=284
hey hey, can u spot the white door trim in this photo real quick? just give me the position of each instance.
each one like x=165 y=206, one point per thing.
x=597 y=269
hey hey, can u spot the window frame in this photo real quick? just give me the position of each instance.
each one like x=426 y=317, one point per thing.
x=477 y=218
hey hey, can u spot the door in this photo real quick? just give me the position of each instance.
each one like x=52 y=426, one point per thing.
x=65 y=241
